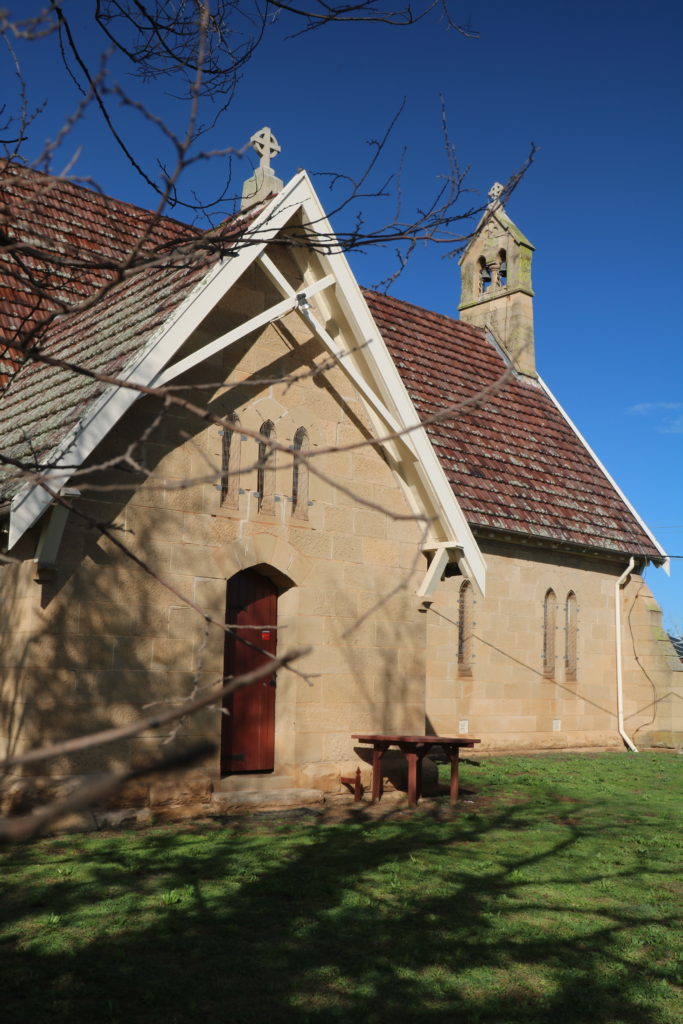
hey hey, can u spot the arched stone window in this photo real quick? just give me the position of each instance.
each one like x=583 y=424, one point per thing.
x=465 y=626
x=502 y=269
x=549 y=624
x=570 y=636
x=230 y=463
x=484 y=276
x=300 y=476
x=265 y=469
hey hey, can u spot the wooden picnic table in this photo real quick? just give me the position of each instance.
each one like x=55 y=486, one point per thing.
x=414 y=748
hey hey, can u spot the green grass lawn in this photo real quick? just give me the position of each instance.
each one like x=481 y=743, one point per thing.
x=550 y=895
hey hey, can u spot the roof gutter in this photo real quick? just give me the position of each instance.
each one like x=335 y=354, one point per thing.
x=617 y=622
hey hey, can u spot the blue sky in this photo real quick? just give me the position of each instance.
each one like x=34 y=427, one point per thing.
x=597 y=86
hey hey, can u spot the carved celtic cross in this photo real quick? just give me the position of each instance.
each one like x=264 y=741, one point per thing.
x=266 y=145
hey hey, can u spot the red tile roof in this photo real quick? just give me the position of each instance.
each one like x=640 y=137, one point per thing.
x=514 y=462
x=61 y=243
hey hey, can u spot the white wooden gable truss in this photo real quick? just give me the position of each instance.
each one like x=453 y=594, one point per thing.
x=359 y=351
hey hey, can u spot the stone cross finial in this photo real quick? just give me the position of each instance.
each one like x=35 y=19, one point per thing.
x=263 y=182
x=266 y=145
x=495 y=192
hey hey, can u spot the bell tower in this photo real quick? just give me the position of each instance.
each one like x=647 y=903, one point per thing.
x=496 y=284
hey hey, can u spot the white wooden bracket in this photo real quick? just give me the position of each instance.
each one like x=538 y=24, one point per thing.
x=50 y=540
x=442 y=556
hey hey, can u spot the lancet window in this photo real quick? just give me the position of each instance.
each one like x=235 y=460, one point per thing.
x=300 y=475
x=570 y=636
x=465 y=626
x=230 y=463
x=549 y=626
x=265 y=471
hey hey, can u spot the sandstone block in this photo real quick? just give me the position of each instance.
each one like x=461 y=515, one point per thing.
x=339 y=520
x=195 y=560
x=189 y=788
x=128 y=653
x=181 y=497
x=129 y=817
x=277 y=799
x=133 y=794
x=309 y=747
x=347 y=548
x=338 y=746
x=311 y=544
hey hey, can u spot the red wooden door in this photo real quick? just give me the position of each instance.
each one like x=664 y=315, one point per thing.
x=248 y=731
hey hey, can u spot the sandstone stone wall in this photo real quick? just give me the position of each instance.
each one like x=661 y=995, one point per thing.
x=102 y=639
x=653 y=674
x=506 y=698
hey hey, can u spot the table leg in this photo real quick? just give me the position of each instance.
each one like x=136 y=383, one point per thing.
x=455 y=781
x=377 y=786
x=420 y=758
x=414 y=780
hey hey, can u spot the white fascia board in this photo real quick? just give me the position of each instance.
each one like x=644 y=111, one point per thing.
x=388 y=381
x=666 y=565
x=30 y=503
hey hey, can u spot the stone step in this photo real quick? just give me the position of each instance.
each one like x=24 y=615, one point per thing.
x=254 y=783
x=265 y=800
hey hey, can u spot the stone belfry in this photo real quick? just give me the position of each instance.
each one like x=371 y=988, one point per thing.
x=496 y=284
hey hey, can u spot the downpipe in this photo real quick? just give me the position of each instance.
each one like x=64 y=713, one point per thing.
x=617 y=622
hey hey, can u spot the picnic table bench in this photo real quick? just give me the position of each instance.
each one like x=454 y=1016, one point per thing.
x=414 y=748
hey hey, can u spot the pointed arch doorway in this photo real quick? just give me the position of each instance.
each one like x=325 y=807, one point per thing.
x=248 y=730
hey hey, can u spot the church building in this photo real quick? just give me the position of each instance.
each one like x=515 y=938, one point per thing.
x=226 y=452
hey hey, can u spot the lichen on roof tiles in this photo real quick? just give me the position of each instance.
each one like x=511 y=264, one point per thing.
x=514 y=462
x=108 y=326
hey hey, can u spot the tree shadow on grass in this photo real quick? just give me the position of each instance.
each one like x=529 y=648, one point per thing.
x=415 y=919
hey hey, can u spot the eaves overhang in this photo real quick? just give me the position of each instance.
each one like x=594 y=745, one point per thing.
x=541 y=542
